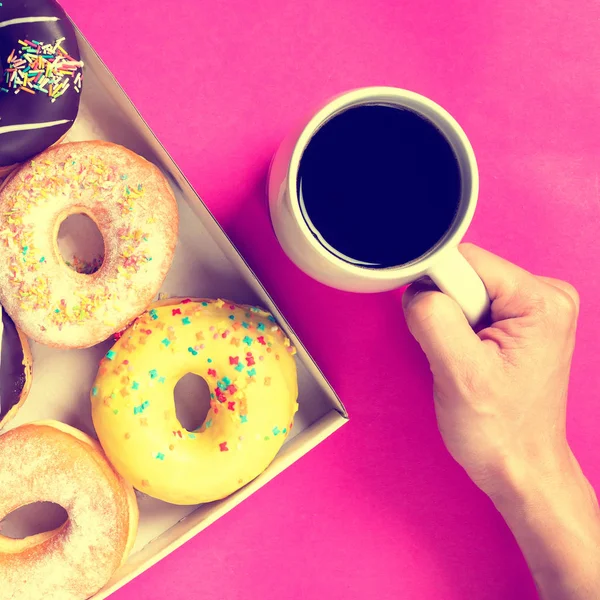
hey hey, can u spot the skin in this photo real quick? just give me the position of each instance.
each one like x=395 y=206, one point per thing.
x=500 y=399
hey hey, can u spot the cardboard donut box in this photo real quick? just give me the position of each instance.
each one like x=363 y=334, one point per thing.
x=206 y=264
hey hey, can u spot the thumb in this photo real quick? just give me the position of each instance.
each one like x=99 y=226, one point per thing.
x=439 y=325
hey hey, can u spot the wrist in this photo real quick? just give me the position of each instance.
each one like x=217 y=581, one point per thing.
x=530 y=479
x=547 y=491
x=553 y=513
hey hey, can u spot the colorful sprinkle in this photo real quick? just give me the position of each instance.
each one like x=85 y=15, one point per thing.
x=176 y=311
x=208 y=424
x=186 y=320
x=243 y=418
x=212 y=373
x=247 y=340
x=223 y=447
x=141 y=408
x=233 y=360
x=111 y=354
x=94 y=391
x=42 y=67
x=135 y=385
x=192 y=351
x=252 y=372
x=239 y=367
x=231 y=405
x=84 y=266
x=276 y=431
x=166 y=342
x=153 y=374
x=153 y=314
x=159 y=456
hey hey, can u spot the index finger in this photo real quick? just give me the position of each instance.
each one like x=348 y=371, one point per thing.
x=514 y=292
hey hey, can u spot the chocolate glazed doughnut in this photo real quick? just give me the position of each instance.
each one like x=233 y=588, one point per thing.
x=41 y=78
x=15 y=369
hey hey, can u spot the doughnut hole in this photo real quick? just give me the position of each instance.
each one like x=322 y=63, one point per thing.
x=31 y=519
x=81 y=244
x=192 y=401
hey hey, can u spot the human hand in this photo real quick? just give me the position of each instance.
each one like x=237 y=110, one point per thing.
x=500 y=394
x=500 y=400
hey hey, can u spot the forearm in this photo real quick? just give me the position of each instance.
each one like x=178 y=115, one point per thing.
x=555 y=519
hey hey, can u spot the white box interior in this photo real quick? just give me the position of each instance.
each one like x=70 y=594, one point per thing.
x=205 y=265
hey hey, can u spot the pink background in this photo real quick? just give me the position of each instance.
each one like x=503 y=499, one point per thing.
x=379 y=510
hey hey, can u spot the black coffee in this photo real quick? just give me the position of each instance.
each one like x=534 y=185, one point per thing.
x=379 y=186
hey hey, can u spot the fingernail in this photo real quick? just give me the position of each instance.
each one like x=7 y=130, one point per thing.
x=418 y=287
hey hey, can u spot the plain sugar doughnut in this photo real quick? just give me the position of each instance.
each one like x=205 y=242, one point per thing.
x=249 y=366
x=52 y=462
x=133 y=207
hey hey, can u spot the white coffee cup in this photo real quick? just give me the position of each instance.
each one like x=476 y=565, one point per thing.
x=443 y=263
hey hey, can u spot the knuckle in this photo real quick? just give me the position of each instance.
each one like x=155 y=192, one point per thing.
x=572 y=295
x=567 y=307
x=559 y=306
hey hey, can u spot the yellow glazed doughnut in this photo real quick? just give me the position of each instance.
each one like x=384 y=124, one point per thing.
x=135 y=211
x=52 y=462
x=249 y=366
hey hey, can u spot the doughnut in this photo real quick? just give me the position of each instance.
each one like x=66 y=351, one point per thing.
x=42 y=78
x=15 y=369
x=248 y=364
x=135 y=211
x=52 y=462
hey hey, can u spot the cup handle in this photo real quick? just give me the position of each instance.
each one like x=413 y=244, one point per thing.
x=453 y=274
